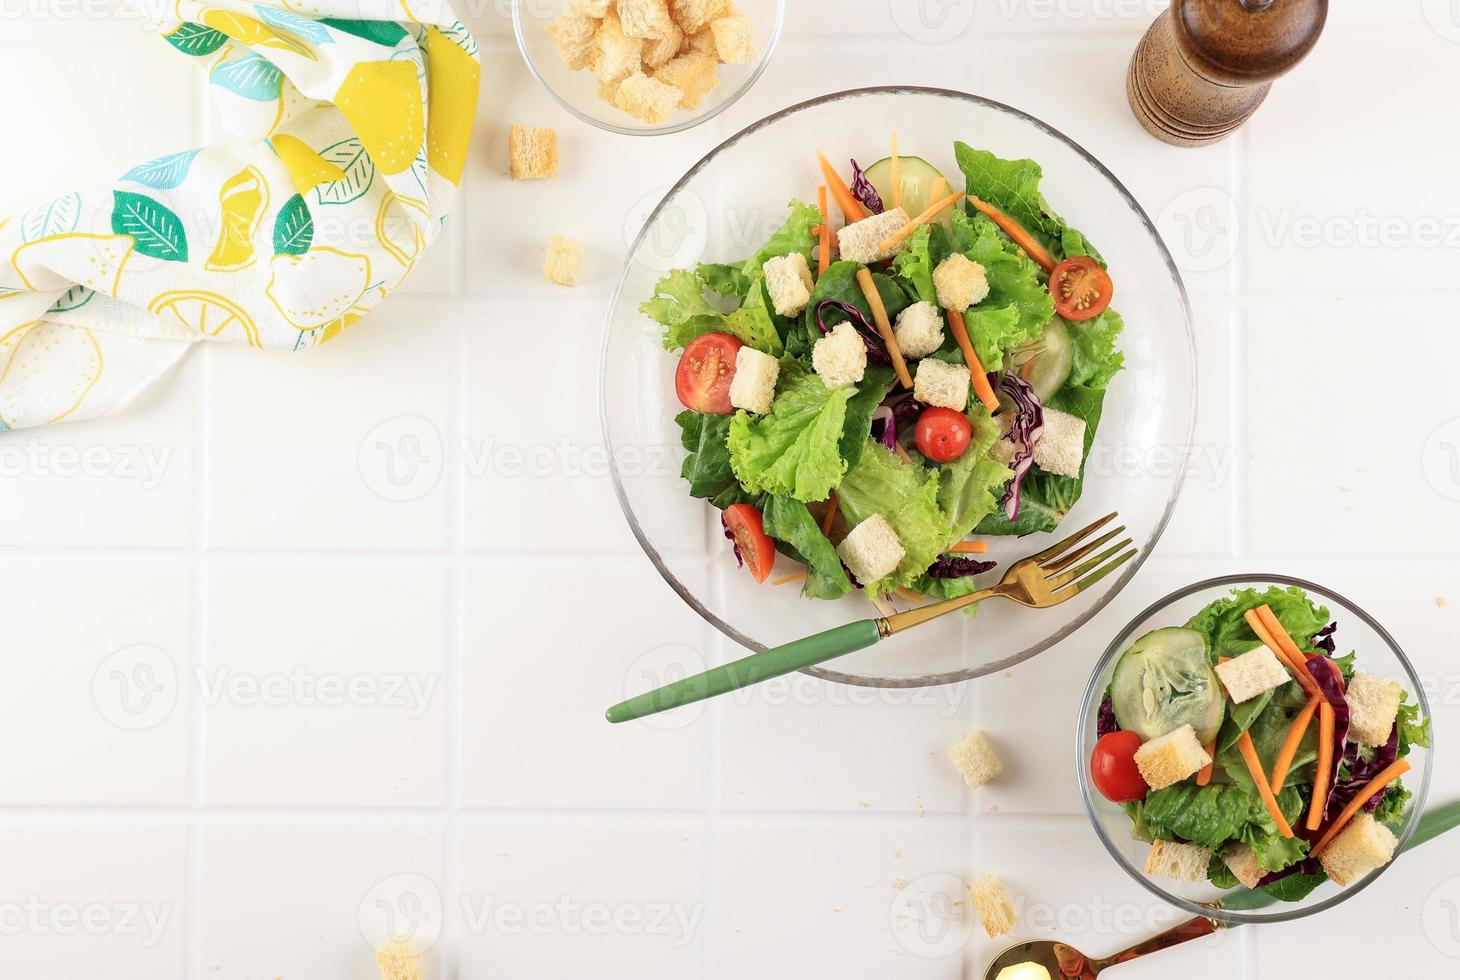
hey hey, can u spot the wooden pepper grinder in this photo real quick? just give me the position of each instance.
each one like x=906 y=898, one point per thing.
x=1206 y=65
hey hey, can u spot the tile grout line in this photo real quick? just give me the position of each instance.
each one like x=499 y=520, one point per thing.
x=450 y=945
x=714 y=784
x=1239 y=387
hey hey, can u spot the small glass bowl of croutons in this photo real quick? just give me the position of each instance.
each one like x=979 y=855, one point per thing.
x=647 y=67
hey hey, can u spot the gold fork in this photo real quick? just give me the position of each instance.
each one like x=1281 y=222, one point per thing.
x=1040 y=581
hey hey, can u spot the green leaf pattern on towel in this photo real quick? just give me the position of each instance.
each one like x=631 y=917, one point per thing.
x=311 y=31
x=164 y=173
x=55 y=218
x=158 y=232
x=294 y=229
x=350 y=156
x=251 y=76
x=197 y=40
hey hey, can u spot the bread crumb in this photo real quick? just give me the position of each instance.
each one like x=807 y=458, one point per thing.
x=564 y=261
x=397 y=960
x=533 y=152
x=1440 y=601
x=646 y=98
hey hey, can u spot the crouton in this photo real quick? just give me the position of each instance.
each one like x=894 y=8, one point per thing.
x=1184 y=862
x=859 y=241
x=647 y=99
x=647 y=19
x=397 y=960
x=1242 y=862
x=991 y=899
x=1362 y=846
x=695 y=15
x=564 y=261
x=1373 y=704
x=960 y=282
x=591 y=8
x=573 y=26
x=661 y=51
x=618 y=55
x=840 y=357
x=702 y=41
x=608 y=91
x=919 y=330
x=754 y=386
x=1253 y=673
x=1061 y=448
x=788 y=280
x=1171 y=758
x=696 y=74
x=734 y=42
x=974 y=757
x=533 y=152
x=872 y=550
x=940 y=383
x=576 y=53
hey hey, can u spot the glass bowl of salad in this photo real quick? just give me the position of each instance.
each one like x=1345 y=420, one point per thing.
x=563 y=63
x=759 y=408
x=1254 y=748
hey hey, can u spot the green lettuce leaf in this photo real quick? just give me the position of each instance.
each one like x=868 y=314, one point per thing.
x=971 y=487
x=793 y=450
x=793 y=236
x=1096 y=359
x=1012 y=186
x=1218 y=814
x=1228 y=634
x=678 y=297
x=1268 y=729
x=788 y=520
x=871 y=390
x=707 y=467
x=679 y=303
x=1018 y=304
x=907 y=496
x=754 y=324
x=727 y=280
x=840 y=283
x=915 y=264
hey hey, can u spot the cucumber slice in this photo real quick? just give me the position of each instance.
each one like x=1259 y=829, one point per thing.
x=1046 y=361
x=918 y=178
x=1164 y=681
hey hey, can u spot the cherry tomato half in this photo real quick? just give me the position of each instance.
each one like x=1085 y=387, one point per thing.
x=1081 y=289
x=1113 y=767
x=743 y=523
x=942 y=434
x=706 y=368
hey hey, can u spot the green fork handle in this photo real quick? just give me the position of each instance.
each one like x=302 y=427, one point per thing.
x=1434 y=823
x=757 y=667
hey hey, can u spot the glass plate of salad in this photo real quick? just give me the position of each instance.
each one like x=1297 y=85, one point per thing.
x=759 y=405
x=1308 y=768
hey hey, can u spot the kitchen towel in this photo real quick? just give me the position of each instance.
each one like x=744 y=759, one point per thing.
x=349 y=123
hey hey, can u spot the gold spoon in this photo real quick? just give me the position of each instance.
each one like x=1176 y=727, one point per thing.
x=1065 y=962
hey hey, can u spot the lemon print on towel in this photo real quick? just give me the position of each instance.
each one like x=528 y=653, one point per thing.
x=243 y=199
x=382 y=101
x=202 y=313
x=93 y=261
x=320 y=288
x=46 y=372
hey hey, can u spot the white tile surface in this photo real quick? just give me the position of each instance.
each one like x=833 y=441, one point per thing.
x=378 y=522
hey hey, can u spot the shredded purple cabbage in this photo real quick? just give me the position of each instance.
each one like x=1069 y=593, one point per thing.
x=876 y=353
x=739 y=558
x=884 y=426
x=1328 y=682
x=1106 y=723
x=1362 y=771
x=951 y=566
x=1024 y=433
x=863 y=191
x=1307 y=866
x=906 y=409
x=1323 y=639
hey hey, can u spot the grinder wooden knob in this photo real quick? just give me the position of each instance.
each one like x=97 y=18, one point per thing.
x=1205 y=66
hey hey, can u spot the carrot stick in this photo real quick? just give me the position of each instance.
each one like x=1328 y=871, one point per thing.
x=788 y=579
x=1254 y=766
x=1370 y=790
x=1299 y=672
x=902 y=453
x=896 y=174
x=1326 y=724
x=832 y=505
x=1205 y=776
x=1289 y=751
x=823 y=234
x=1014 y=230
x=969 y=548
x=906 y=231
x=850 y=206
x=1275 y=629
x=879 y=316
x=978 y=375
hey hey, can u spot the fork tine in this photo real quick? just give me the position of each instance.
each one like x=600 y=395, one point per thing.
x=1074 y=556
x=1060 y=581
x=1059 y=547
x=1082 y=584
